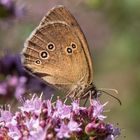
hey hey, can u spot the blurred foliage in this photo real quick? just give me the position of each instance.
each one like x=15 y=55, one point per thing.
x=95 y=4
x=114 y=25
x=122 y=56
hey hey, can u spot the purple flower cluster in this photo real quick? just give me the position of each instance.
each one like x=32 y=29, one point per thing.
x=44 y=119
x=15 y=81
x=8 y=8
x=13 y=85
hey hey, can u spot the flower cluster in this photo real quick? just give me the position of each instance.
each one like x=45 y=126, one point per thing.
x=8 y=8
x=44 y=119
x=13 y=85
x=15 y=81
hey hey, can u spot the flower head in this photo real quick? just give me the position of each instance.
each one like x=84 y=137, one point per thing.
x=63 y=131
x=98 y=109
x=62 y=110
x=6 y=115
x=32 y=106
x=43 y=119
x=13 y=85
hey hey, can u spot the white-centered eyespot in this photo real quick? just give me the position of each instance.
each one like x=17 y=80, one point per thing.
x=38 y=62
x=44 y=55
x=73 y=45
x=69 y=50
x=51 y=46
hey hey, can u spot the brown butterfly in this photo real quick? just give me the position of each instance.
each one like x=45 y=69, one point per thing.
x=57 y=52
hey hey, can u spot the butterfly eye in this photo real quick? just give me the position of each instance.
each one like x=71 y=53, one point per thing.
x=38 y=62
x=74 y=46
x=69 y=50
x=51 y=46
x=44 y=55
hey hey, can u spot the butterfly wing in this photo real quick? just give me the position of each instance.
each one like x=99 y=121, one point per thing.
x=68 y=63
x=60 y=13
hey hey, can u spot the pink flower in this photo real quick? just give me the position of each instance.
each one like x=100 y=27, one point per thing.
x=74 y=126
x=7 y=3
x=98 y=109
x=62 y=110
x=43 y=119
x=76 y=107
x=6 y=116
x=3 y=88
x=63 y=131
x=34 y=105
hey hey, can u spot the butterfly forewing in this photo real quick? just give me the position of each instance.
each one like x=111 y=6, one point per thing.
x=60 y=13
x=57 y=52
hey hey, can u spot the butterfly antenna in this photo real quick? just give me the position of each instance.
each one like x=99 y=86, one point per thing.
x=102 y=90
x=110 y=89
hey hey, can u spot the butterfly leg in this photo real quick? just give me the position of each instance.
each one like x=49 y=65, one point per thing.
x=87 y=95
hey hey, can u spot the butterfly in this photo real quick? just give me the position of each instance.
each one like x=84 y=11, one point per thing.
x=58 y=53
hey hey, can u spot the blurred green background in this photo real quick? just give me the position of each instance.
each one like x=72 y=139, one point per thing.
x=112 y=28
